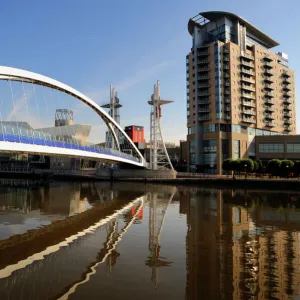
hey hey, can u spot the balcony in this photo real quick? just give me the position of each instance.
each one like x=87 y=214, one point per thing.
x=268 y=65
x=269 y=117
x=268 y=72
x=227 y=108
x=203 y=93
x=226 y=59
x=227 y=100
x=287 y=94
x=287 y=115
x=247 y=56
x=247 y=79
x=246 y=71
x=227 y=92
x=202 y=78
x=249 y=120
x=287 y=121
x=202 y=85
x=226 y=75
x=286 y=100
x=248 y=103
x=204 y=109
x=226 y=67
x=287 y=128
x=248 y=87
x=227 y=117
x=225 y=50
x=199 y=70
x=202 y=101
x=268 y=87
x=245 y=63
x=286 y=80
x=248 y=95
x=287 y=108
x=269 y=124
x=285 y=87
x=202 y=52
x=269 y=101
x=268 y=58
x=268 y=79
x=249 y=112
x=269 y=109
x=204 y=117
x=268 y=94
x=286 y=75
x=203 y=61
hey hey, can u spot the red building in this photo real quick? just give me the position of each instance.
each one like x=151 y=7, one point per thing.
x=136 y=133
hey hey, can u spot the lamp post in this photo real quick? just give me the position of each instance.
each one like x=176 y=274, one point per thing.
x=245 y=170
x=287 y=172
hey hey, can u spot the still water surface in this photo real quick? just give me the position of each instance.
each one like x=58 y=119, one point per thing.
x=124 y=241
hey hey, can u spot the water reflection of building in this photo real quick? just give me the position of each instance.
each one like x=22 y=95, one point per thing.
x=234 y=252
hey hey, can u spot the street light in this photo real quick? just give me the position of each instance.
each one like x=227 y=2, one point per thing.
x=287 y=171
x=245 y=170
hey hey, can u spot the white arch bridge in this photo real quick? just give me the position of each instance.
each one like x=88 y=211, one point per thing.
x=29 y=141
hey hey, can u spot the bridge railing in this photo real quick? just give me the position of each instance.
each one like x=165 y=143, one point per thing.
x=45 y=139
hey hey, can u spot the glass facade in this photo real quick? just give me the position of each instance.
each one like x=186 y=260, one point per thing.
x=191 y=130
x=210 y=152
x=192 y=146
x=293 y=147
x=218 y=80
x=271 y=148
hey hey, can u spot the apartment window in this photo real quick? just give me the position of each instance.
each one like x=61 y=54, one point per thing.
x=191 y=130
x=293 y=147
x=210 y=146
x=236 y=153
x=271 y=148
x=192 y=146
x=236 y=128
x=210 y=159
x=210 y=128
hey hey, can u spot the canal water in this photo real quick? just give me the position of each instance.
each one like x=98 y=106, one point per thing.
x=85 y=240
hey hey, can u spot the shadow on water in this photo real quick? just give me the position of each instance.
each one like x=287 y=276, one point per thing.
x=161 y=242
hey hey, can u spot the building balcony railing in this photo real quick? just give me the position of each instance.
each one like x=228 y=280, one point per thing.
x=248 y=103
x=287 y=121
x=202 y=52
x=269 y=109
x=287 y=108
x=268 y=65
x=248 y=87
x=203 y=85
x=268 y=58
x=248 y=95
x=249 y=112
x=226 y=75
x=227 y=100
x=247 y=56
x=227 y=117
x=268 y=79
x=268 y=72
x=226 y=67
x=204 y=101
x=287 y=94
x=225 y=50
x=248 y=64
x=203 y=61
x=200 y=70
x=246 y=71
x=269 y=124
x=269 y=117
x=288 y=115
x=286 y=100
x=226 y=59
x=268 y=87
x=268 y=94
x=249 y=120
x=227 y=108
x=227 y=92
x=287 y=128
x=285 y=87
x=204 y=109
x=269 y=101
x=286 y=75
x=204 y=117
x=286 y=80
x=203 y=77
x=203 y=93
x=247 y=79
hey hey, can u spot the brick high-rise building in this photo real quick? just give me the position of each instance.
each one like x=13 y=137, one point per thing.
x=236 y=89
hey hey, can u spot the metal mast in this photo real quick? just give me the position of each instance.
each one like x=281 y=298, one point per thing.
x=159 y=157
x=114 y=111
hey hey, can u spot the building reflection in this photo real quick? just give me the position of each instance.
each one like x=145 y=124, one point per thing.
x=239 y=246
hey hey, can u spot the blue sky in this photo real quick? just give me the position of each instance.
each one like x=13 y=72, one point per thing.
x=130 y=44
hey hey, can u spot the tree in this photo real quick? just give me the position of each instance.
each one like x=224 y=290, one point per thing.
x=236 y=165
x=227 y=165
x=296 y=168
x=255 y=166
x=274 y=167
x=260 y=167
x=286 y=167
x=246 y=165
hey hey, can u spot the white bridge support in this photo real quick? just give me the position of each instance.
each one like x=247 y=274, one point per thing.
x=159 y=157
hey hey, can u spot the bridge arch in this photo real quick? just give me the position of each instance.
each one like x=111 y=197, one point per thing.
x=14 y=74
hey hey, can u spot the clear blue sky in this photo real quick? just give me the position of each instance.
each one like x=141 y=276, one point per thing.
x=91 y=44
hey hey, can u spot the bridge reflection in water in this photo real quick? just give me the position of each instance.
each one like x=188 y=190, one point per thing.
x=157 y=242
